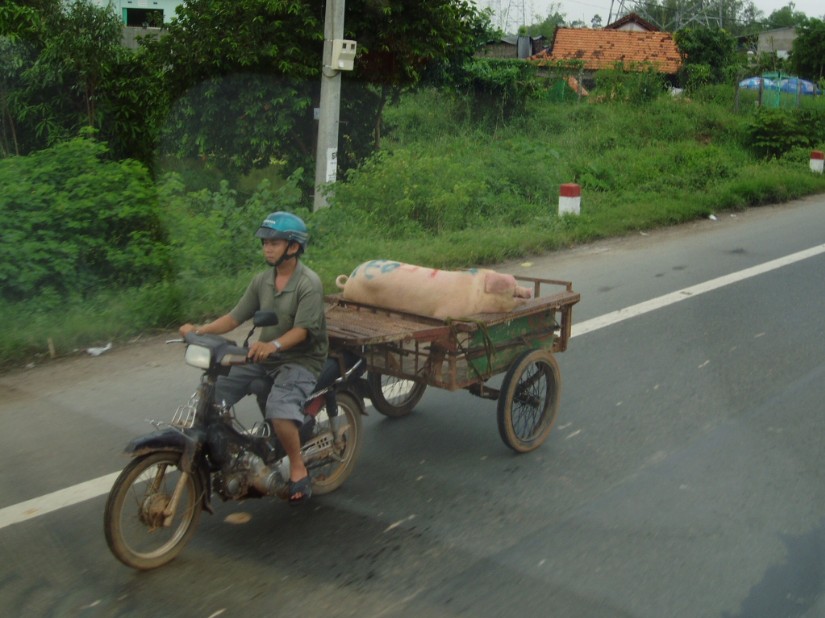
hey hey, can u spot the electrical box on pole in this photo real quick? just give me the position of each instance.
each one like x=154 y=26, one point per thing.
x=343 y=55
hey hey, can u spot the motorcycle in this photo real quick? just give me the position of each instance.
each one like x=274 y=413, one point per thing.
x=155 y=504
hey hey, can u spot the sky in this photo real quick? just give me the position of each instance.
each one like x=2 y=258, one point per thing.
x=584 y=10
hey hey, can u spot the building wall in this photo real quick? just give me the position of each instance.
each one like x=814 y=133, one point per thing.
x=512 y=47
x=124 y=8
x=779 y=41
x=131 y=35
x=633 y=27
x=497 y=50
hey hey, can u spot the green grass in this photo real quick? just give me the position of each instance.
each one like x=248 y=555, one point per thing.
x=448 y=193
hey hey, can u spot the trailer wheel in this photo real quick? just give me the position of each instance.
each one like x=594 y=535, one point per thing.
x=394 y=397
x=529 y=400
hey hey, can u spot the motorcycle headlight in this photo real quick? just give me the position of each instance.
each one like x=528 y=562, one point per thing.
x=198 y=356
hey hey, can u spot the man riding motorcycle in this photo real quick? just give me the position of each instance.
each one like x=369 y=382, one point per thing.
x=288 y=356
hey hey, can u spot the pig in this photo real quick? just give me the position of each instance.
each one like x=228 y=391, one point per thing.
x=429 y=292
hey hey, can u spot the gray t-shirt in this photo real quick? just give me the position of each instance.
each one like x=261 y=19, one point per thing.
x=299 y=304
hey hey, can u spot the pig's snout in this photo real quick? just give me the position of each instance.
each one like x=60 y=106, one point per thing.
x=521 y=292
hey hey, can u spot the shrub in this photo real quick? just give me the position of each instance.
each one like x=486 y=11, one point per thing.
x=464 y=183
x=211 y=231
x=425 y=115
x=632 y=84
x=719 y=94
x=498 y=90
x=73 y=222
x=773 y=132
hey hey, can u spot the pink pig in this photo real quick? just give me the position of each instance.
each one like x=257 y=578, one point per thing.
x=435 y=293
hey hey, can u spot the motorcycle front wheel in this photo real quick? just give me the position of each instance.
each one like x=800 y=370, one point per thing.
x=134 y=523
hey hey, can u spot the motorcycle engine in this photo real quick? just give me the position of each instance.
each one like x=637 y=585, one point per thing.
x=226 y=449
x=231 y=485
x=241 y=471
x=224 y=444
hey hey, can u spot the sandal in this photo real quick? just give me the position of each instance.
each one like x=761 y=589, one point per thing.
x=300 y=491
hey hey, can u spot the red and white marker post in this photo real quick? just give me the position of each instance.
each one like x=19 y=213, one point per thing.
x=817 y=161
x=570 y=199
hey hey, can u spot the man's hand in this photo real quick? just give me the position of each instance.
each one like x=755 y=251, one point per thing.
x=261 y=350
x=186 y=329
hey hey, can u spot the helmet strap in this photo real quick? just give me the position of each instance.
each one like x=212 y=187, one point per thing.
x=286 y=256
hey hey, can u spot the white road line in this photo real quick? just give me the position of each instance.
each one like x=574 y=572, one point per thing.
x=609 y=319
x=56 y=500
x=100 y=486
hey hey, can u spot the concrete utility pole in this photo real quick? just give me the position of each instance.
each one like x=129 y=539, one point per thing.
x=326 y=154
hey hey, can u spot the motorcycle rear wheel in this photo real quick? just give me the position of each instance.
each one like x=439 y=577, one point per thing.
x=133 y=520
x=332 y=474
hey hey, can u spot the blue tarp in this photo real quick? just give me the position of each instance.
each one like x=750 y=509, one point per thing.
x=752 y=83
x=794 y=85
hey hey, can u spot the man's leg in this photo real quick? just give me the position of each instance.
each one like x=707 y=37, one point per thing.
x=234 y=386
x=287 y=432
x=291 y=387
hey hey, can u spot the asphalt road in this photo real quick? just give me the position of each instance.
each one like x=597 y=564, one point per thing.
x=684 y=477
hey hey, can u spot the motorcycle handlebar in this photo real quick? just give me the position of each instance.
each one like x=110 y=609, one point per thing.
x=232 y=358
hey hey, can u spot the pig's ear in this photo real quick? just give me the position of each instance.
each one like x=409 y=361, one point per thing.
x=497 y=283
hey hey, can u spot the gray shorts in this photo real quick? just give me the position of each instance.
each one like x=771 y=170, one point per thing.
x=290 y=386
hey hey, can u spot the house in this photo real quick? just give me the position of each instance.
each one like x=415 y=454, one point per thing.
x=632 y=23
x=141 y=17
x=142 y=13
x=607 y=47
x=778 y=41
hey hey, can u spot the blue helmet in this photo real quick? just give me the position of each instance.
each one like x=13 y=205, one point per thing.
x=284 y=225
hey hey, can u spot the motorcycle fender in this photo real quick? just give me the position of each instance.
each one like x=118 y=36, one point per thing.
x=188 y=445
x=358 y=388
x=165 y=440
x=174 y=441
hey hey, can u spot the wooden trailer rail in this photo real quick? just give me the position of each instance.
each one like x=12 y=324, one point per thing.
x=453 y=354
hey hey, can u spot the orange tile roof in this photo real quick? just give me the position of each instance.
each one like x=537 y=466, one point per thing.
x=601 y=49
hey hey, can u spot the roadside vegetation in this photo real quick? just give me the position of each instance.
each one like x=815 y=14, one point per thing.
x=444 y=192
x=98 y=246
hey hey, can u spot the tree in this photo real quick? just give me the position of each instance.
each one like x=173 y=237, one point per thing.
x=786 y=17
x=712 y=47
x=547 y=27
x=808 y=56
x=243 y=75
x=63 y=68
x=408 y=44
x=130 y=107
x=76 y=59
x=21 y=39
x=237 y=77
x=12 y=60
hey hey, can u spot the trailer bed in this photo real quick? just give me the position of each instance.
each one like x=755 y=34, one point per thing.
x=453 y=353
